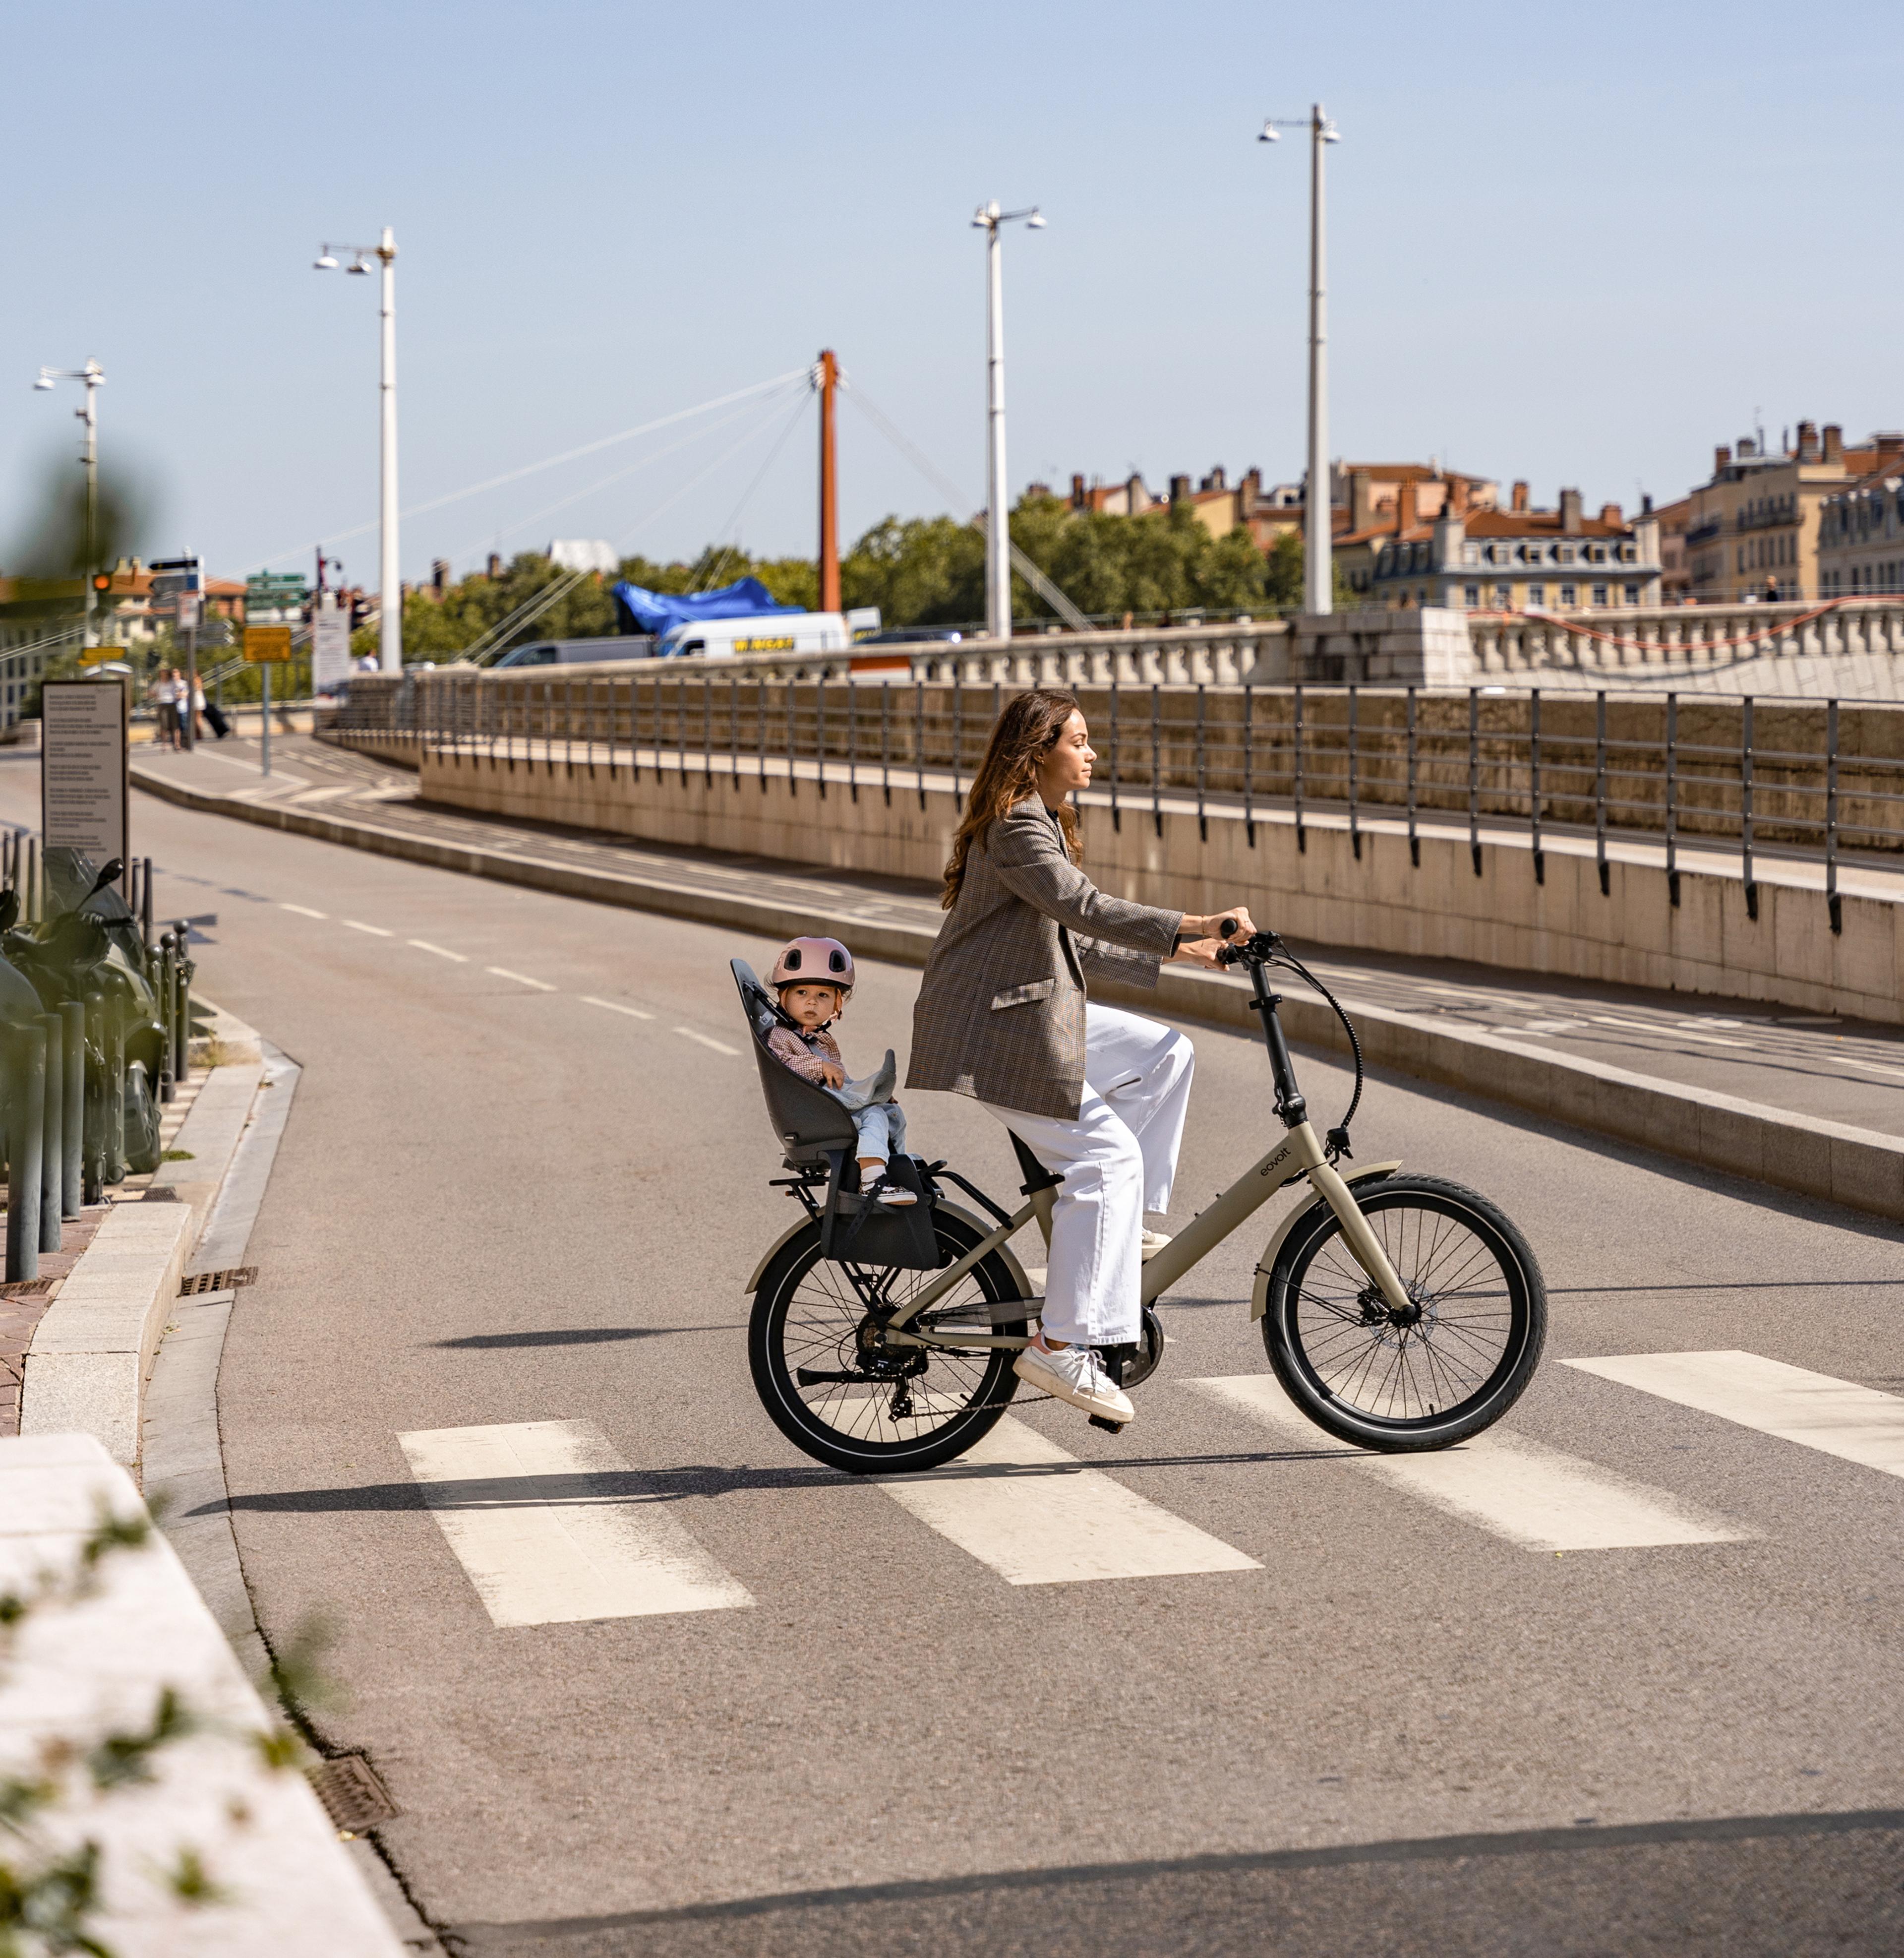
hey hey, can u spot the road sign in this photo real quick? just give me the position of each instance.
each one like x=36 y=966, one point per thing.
x=267 y=643
x=277 y=588
x=169 y=584
x=329 y=643
x=187 y=611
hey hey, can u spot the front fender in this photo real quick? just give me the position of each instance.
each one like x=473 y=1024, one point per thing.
x=1259 y=1298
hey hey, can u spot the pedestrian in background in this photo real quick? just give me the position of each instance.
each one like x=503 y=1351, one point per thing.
x=163 y=694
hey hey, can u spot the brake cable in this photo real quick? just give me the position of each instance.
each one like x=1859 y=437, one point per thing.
x=1337 y=1142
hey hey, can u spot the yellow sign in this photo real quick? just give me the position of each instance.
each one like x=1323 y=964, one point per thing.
x=268 y=642
x=784 y=644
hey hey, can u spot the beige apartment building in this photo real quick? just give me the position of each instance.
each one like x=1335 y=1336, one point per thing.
x=1860 y=538
x=1752 y=531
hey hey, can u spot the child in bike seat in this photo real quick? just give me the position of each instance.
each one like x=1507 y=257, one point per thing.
x=813 y=978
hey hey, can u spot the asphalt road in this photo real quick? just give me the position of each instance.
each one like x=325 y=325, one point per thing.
x=501 y=1201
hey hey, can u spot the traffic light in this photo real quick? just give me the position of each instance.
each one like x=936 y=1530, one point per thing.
x=101 y=580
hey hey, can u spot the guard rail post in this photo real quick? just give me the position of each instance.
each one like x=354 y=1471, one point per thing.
x=1599 y=793
x=95 y=1181
x=52 y=1141
x=1117 y=814
x=1745 y=810
x=1156 y=757
x=886 y=740
x=918 y=737
x=1533 y=784
x=819 y=729
x=1301 y=837
x=1203 y=821
x=25 y=1121
x=1474 y=776
x=114 y=1169
x=1414 y=841
x=1249 y=783
x=1832 y=902
x=73 y=1107
x=1673 y=798
x=1354 y=833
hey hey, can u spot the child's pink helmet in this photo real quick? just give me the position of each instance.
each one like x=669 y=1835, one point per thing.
x=814 y=962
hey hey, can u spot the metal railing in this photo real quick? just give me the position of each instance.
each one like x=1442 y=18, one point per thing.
x=64 y=1074
x=1816 y=778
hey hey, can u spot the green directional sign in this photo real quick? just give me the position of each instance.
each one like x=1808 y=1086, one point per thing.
x=276 y=589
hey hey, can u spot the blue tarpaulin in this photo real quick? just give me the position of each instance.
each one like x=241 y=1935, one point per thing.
x=639 y=611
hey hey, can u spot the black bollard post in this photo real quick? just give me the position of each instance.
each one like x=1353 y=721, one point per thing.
x=73 y=1107
x=168 y=1000
x=52 y=1139
x=115 y=1170
x=95 y=1184
x=31 y=907
x=26 y=1114
x=182 y=1034
x=145 y=900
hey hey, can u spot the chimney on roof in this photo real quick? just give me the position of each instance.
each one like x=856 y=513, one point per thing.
x=1646 y=504
x=1361 y=499
x=1808 y=441
x=1456 y=505
x=439 y=575
x=1179 y=488
x=1722 y=458
x=1834 y=442
x=1887 y=443
x=1077 y=489
x=495 y=566
x=1571 y=515
x=1408 y=512
x=1214 y=481
x=1611 y=515
x=1520 y=499
x=1251 y=484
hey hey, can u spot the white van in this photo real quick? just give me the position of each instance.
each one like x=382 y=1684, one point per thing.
x=765 y=633
x=569 y=652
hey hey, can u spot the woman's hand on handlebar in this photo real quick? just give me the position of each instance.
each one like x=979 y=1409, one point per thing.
x=1204 y=937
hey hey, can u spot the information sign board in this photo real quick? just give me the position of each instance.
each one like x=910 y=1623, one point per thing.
x=187 y=604
x=330 y=644
x=267 y=643
x=82 y=782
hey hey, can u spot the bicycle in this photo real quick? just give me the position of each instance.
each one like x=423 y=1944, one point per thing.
x=1399 y=1312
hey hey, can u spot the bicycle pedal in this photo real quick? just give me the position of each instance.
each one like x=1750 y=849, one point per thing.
x=1108 y=1426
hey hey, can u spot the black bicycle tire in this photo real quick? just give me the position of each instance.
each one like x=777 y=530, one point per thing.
x=1481 y=1410
x=790 y=1413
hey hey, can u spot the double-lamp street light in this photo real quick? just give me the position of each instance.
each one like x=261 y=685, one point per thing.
x=390 y=597
x=988 y=218
x=1318 y=578
x=93 y=375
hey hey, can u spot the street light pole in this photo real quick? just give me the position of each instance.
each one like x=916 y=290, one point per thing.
x=990 y=218
x=391 y=597
x=93 y=375
x=1318 y=571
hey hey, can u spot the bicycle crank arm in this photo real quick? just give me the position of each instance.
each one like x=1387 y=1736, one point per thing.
x=812 y=1376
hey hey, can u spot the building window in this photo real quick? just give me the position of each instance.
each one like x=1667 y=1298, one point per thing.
x=1599 y=594
x=1473 y=595
x=1569 y=596
x=1503 y=597
x=1537 y=594
x=1633 y=594
x=1565 y=553
x=1471 y=553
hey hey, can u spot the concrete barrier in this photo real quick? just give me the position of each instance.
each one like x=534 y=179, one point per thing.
x=1321 y=885
x=77 y=1669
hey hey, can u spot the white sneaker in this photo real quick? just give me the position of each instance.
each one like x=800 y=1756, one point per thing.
x=1154 y=1241
x=1073 y=1373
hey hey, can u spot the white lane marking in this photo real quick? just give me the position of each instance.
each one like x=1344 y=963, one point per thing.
x=1532 y=1495
x=1060 y=1522
x=441 y=952
x=375 y=931
x=1668 y=1028
x=720 y=1047
x=521 y=978
x=547 y=1538
x=303 y=910
x=615 y=1006
x=1836 y=1416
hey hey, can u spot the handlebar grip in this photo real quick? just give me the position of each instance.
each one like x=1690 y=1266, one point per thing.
x=1225 y=927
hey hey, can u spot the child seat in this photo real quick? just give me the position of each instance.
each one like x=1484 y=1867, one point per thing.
x=815 y=1132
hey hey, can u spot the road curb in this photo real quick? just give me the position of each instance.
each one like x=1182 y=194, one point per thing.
x=1859 y=1168
x=91 y=1357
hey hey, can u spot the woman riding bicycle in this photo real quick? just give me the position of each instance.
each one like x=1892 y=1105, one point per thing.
x=1099 y=1095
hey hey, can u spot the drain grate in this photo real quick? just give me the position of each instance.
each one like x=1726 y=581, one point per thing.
x=353 y=1793
x=26 y=1288
x=224 y=1281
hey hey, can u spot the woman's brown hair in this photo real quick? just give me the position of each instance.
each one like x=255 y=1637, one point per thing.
x=1027 y=731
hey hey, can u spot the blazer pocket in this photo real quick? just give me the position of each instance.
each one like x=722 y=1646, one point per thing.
x=1022 y=995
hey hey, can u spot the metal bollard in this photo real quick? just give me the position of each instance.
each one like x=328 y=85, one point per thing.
x=145 y=900
x=53 y=1140
x=95 y=1100
x=27 y=1116
x=181 y=1023
x=114 y=1168
x=73 y=1103
x=168 y=1001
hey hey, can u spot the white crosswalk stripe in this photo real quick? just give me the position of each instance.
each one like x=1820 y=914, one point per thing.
x=1038 y=1515
x=1836 y=1416
x=524 y=1507
x=1520 y=1489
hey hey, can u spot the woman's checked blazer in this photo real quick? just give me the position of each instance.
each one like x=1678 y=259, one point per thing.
x=1000 y=1015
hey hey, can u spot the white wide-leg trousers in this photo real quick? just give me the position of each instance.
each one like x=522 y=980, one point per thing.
x=1118 y=1160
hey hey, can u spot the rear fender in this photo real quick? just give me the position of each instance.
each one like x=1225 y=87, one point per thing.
x=1260 y=1299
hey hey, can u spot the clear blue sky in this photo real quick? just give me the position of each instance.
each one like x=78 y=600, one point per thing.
x=1576 y=245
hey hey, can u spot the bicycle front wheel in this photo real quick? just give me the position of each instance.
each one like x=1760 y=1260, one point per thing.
x=1453 y=1364
x=834 y=1387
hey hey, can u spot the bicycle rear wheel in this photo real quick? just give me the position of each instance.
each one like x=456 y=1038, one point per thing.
x=1454 y=1365
x=834 y=1388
